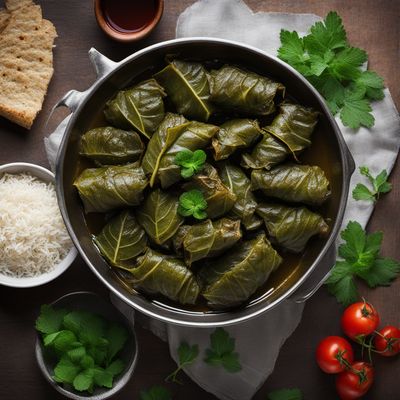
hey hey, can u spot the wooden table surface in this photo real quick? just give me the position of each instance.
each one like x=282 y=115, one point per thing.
x=372 y=25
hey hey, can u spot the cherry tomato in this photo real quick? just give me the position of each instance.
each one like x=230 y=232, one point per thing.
x=358 y=320
x=354 y=383
x=331 y=353
x=387 y=341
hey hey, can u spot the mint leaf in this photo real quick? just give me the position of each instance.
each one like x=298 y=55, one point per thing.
x=192 y=203
x=117 y=336
x=116 y=367
x=222 y=352
x=156 y=393
x=84 y=380
x=61 y=341
x=102 y=377
x=285 y=394
x=66 y=370
x=190 y=162
x=187 y=355
x=88 y=327
x=50 y=319
x=76 y=354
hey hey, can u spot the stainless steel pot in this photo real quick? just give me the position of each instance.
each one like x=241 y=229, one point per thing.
x=332 y=154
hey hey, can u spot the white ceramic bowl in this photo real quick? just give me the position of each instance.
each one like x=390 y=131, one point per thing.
x=46 y=176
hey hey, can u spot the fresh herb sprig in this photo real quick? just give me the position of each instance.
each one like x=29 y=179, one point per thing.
x=379 y=185
x=191 y=162
x=192 y=203
x=84 y=344
x=187 y=355
x=327 y=60
x=360 y=258
x=222 y=351
x=155 y=393
x=285 y=394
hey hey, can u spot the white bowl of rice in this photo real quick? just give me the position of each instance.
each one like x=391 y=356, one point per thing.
x=35 y=247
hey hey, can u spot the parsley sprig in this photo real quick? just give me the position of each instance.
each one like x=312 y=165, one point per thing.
x=187 y=355
x=85 y=346
x=191 y=162
x=379 y=185
x=222 y=351
x=360 y=258
x=192 y=203
x=327 y=60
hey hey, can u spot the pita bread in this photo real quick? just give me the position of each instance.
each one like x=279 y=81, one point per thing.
x=26 y=62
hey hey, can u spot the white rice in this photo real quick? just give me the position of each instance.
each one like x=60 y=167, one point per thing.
x=33 y=238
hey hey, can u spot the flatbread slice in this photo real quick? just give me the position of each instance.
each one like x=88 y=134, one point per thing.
x=26 y=63
x=4 y=18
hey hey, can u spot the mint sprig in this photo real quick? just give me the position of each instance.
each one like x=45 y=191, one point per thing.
x=192 y=203
x=191 y=162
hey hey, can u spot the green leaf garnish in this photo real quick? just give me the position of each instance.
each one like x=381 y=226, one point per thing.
x=285 y=394
x=379 y=185
x=85 y=347
x=361 y=258
x=192 y=203
x=327 y=60
x=190 y=162
x=187 y=354
x=156 y=393
x=222 y=351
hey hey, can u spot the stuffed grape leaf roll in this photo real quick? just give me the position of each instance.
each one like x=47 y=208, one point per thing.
x=291 y=227
x=159 y=216
x=173 y=135
x=294 y=183
x=245 y=206
x=141 y=108
x=266 y=153
x=207 y=239
x=188 y=88
x=156 y=273
x=232 y=278
x=110 y=146
x=233 y=135
x=220 y=199
x=121 y=239
x=244 y=92
x=106 y=188
x=293 y=126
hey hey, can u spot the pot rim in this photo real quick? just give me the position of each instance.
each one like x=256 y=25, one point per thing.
x=223 y=318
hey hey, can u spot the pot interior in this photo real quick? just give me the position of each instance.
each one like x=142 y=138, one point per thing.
x=324 y=152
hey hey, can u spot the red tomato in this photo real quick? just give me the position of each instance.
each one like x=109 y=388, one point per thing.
x=358 y=320
x=354 y=383
x=331 y=352
x=387 y=341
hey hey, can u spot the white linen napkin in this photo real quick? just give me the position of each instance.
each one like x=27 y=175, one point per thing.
x=258 y=341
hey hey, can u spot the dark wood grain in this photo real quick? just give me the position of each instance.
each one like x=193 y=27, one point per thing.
x=372 y=25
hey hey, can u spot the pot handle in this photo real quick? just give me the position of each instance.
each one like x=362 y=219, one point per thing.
x=317 y=278
x=102 y=66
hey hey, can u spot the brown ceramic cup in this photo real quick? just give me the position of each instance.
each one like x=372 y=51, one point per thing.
x=127 y=36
